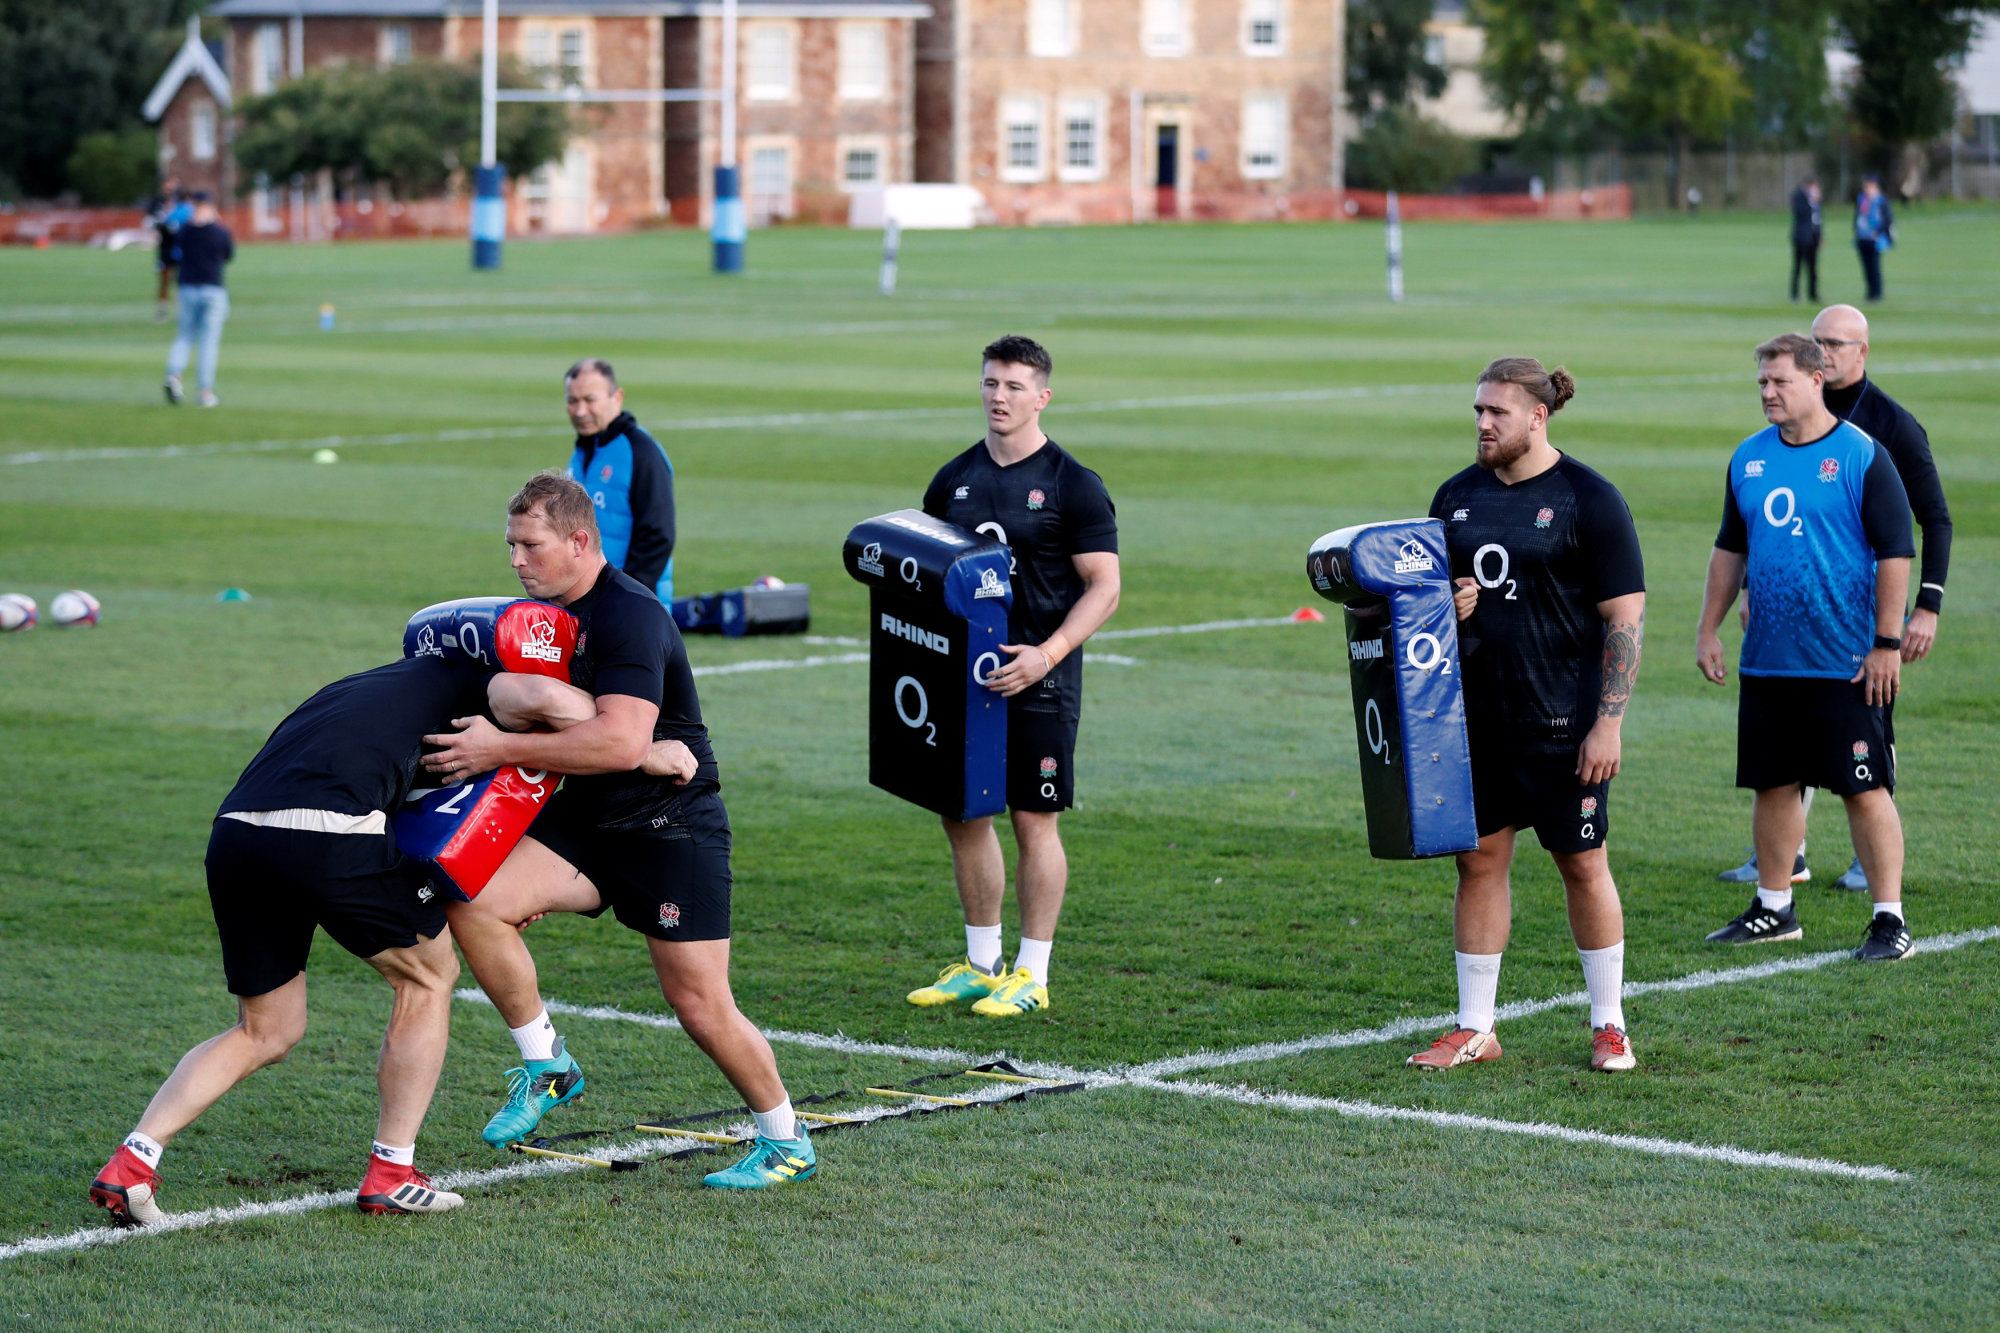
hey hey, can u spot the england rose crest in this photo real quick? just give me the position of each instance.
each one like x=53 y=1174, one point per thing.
x=1048 y=767
x=605 y=473
x=670 y=915
x=1829 y=468
x=1589 y=806
x=1035 y=498
x=1545 y=517
x=1861 y=749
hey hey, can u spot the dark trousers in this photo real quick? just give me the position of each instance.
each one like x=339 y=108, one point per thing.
x=1871 y=267
x=1806 y=257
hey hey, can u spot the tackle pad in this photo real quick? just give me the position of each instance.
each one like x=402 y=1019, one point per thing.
x=938 y=602
x=498 y=633
x=1394 y=579
x=463 y=832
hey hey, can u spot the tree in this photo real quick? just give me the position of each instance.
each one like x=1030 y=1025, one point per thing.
x=68 y=69
x=1385 y=56
x=115 y=166
x=410 y=127
x=1401 y=150
x=1903 y=93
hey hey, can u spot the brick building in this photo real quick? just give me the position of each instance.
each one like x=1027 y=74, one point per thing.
x=190 y=104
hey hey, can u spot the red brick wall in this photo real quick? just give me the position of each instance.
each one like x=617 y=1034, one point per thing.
x=177 y=133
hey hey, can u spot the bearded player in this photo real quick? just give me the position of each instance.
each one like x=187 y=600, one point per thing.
x=1551 y=599
x=651 y=844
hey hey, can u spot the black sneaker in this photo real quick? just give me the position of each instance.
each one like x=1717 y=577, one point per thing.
x=1887 y=940
x=172 y=388
x=1759 y=925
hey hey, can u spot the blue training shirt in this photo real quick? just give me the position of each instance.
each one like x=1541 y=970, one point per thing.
x=631 y=481
x=1814 y=519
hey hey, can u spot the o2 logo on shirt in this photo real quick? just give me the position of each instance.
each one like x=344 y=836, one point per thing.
x=1790 y=518
x=1486 y=580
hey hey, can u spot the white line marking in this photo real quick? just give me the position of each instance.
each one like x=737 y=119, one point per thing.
x=1409 y=1027
x=778 y=664
x=1455 y=1120
x=1204 y=627
x=1322 y=395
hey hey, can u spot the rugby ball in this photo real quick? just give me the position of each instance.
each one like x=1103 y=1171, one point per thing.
x=74 y=607
x=17 y=611
x=769 y=581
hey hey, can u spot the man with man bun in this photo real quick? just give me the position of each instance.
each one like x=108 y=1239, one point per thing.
x=1551 y=602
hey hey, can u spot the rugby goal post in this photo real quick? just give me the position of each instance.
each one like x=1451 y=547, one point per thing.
x=489 y=203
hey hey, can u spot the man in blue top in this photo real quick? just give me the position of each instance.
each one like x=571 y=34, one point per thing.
x=1874 y=232
x=200 y=250
x=628 y=477
x=1816 y=512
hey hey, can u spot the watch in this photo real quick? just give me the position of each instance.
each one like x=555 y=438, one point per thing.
x=1884 y=641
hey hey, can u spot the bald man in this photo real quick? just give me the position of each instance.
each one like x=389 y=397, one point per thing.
x=1842 y=334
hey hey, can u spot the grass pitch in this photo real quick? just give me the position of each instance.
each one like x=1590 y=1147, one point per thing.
x=1242 y=390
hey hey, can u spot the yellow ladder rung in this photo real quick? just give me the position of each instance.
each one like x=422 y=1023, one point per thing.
x=920 y=1096
x=559 y=1156
x=828 y=1119
x=1009 y=1078
x=691 y=1134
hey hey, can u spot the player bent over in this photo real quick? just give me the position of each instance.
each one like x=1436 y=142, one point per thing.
x=653 y=847
x=1816 y=512
x=303 y=841
x=1022 y=489
x=1552 y=600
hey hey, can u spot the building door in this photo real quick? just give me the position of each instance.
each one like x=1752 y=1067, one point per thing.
x=1166 y=180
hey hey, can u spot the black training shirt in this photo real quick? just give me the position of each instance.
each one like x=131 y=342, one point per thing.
x=354 y=747
x=628 y=644
x=1864 y=404
x=1546 y=551
x=1048 y=507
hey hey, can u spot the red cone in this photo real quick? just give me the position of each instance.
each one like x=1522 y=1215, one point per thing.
x=1305 y=615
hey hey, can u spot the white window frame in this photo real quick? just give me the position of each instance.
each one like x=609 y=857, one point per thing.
x=1023 y=111
x=538 y=52
x=267 y=57
x=1164 y=27
x=395 y=46
x=201 y=132
x=1070 y=110
x=863 y=60
x=761 y=41
x=1434 y=52
x=1052 y=27
x=1258 y=13
x=766 y=205
x=573 y=73
x=1261 y=112
x=861 y=143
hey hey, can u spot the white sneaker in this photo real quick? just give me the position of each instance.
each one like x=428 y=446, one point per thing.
x=172 y=388
x=208 y=399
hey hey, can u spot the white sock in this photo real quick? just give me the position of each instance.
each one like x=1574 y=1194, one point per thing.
x=1894 y=909
x=779 y=1122
x=1034 y=956
x=1775 y=899
x=1604 y=978
x=1478 y=988
x=536 y=1038
x=982 y=948
x=396 y=1156
x=146 y=1146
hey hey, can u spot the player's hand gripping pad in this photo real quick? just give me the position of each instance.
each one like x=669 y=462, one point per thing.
x=938 y=602
x=463 y=832
x=1409 y=701
x=498 y=633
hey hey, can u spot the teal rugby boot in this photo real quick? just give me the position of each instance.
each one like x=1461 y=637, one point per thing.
x=533 y=1090
x=770 y=1162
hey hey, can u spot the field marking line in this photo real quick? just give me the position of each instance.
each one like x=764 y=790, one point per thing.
x=1410 y=1027
x=778 y=664
x=1332 y=393
x=1532 y=1129
x=1203 y=627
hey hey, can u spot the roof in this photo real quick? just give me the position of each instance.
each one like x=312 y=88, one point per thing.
x=417 y=9
x=193 y=60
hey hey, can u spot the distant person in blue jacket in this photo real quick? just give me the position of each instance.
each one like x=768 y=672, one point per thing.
x=1874 y=232
x=165 y=212
x=627 y=474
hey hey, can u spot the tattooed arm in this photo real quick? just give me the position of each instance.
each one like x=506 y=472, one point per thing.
x=1624 y=631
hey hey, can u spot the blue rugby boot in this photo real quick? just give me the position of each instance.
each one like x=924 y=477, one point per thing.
x=533 y=1090
x=771 y=1162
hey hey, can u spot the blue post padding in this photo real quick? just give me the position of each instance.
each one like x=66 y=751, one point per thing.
x=1409 y=699
x=489 y=215
x=730 y=227
x=939 y=598
x=701 y=613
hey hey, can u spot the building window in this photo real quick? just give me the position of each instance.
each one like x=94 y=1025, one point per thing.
x=1166 y=27
x=1051 y=27
x=571 y=68
x=1264 y=123
x=772 y=67
x=201 y=133
x=267 y=57
x=1263 y=27
x=1021 y=139
x=264 y=207
x=862 y=163
x=1082 y=121
x=1434 y=49
x=770 y=182
x=864 y=62
x=395 y=44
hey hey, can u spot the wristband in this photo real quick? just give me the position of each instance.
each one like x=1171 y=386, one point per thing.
x=1884 y=641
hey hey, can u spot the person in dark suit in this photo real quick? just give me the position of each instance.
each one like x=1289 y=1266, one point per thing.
x=1806 y=236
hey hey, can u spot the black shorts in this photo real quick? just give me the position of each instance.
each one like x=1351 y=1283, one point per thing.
x=1822 y=733
x=1041 y=761
x=672 y=884
x=1539 y=791
x=269 y=888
